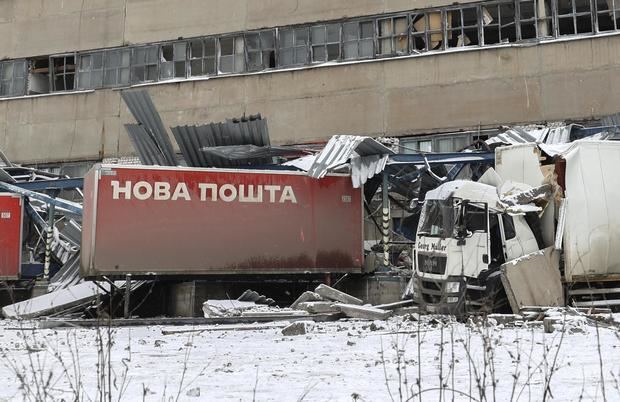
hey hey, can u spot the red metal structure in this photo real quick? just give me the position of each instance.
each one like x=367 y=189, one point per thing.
x=11 y=223
x=191 y=221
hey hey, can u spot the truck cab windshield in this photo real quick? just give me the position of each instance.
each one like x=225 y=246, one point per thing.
x=437 y=218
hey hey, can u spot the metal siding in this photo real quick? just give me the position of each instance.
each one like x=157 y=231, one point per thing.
x=192 y=139
x=143 y=110
x=11 y=218
x=322 y=232
x=147 y=149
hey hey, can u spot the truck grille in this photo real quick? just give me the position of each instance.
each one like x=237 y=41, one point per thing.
x=432 y=264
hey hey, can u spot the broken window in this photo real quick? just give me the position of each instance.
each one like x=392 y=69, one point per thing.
x=325 y=41
x=203 y=57
x=574 y=17
x=144 y=64
x=232 y=54
x=293 y=46
x=544 y=17
x=63 y=72
x=172 y=58
x=426 y=33
x=527 y=19
x=13 y=78
x=509 y=227
x=498 y=20
x=607 y=15
x=392 y=35
x=116 y=67
x=90 y=70
x=463 y=28
x=358 y=39
x=38 y=76
x=261 y=50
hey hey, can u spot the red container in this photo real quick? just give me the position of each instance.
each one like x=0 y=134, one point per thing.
x=11 y=223
x=190 y=221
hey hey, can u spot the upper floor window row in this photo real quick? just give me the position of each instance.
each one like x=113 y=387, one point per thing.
x=486 y=23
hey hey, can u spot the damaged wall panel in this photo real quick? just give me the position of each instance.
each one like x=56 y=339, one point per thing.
x=533 y=280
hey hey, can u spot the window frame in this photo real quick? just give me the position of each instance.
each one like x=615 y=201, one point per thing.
x=392 y=37
x=174 y=63
x=261 y=50
x=295 y=48
x=204 y=58
x=235 y=56
x=326 y=44
x=53 y=73
x=13 y=78
x=462 y=29
x=144 y=64
x=359 y=39
x=427 y=34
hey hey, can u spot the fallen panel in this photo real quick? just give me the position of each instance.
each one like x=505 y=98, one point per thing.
x=192 y=140
x=330 y=293
x=55 y=302
x=148 y=151
x=533 y=280
x=249 y=151
x=364 y=312
x=143 y=110
x=340 y=148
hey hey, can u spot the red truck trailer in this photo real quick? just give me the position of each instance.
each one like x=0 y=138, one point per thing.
x=11 y=223
x=146 y=220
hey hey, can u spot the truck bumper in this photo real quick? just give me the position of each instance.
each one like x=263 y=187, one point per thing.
x=455 y=295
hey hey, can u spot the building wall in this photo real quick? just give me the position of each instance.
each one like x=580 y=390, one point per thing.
x=575 y=79
x=35 y=27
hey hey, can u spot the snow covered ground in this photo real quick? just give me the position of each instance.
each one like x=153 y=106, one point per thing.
x=337 y=361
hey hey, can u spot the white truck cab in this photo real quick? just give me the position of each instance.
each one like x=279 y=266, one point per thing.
x=463 y=237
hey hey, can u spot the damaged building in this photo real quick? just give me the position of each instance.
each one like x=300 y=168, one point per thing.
x=440 y=75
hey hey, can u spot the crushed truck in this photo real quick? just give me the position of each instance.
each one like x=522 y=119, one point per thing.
x=524 y=234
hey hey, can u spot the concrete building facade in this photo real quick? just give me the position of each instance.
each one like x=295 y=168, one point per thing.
x=313 y=68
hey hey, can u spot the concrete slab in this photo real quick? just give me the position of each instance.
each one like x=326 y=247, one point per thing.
x=298 y=328
x=330 y=293
x=55 y=301
x=363 y=312
x=318 y=307
x=306 y=297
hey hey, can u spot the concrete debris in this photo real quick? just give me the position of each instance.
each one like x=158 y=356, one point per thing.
x=298 y=328
x=318 y=307
x=363 y=312
x=226 y=308
x=194 y=392
x=61 y=300
x=306 y=297
x=330 y=293
x=252 y=296
x=396 y=305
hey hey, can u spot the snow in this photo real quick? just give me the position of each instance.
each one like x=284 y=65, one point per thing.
x=339 y=361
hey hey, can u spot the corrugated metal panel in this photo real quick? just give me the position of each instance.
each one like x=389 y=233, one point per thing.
x=143 y=110
x=249 y=151
x=144 y=144
x=546 y=135
x=340 y=148
x=68 y=275
x=517 y=135
x=193 y=139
